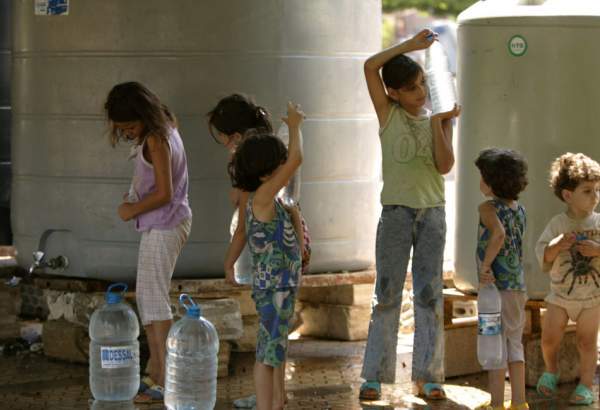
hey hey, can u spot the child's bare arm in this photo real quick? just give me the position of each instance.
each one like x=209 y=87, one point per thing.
x=238 y=241
x=263 y=198
x=561 y=243
x=374 y=63
x=489 y=219
x=441 y=127
x=161 y=162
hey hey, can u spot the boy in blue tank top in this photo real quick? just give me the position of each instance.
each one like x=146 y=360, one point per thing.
x=500 y=260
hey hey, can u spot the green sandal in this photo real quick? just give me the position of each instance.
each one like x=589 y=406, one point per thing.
x=432 y=391
x=370 y=390
x=546 y=385
x=582 y=396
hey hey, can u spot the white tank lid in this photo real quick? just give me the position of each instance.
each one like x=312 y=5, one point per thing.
x=545 y=12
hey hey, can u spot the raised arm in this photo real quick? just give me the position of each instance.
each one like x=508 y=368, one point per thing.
x=268 y=190
x=379 y=97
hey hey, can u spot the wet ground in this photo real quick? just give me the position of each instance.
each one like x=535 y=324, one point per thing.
x=320 y=375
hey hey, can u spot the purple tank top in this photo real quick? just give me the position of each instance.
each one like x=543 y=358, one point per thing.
x=170 y=215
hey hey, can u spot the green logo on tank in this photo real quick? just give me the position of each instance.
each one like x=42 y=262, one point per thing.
x=517 y=45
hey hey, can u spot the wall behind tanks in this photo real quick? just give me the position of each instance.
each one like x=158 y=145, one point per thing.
x=67 y=177
x=542 y=103
x=5 y=114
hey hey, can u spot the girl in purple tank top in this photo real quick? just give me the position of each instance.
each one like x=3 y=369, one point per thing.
x=158 y=203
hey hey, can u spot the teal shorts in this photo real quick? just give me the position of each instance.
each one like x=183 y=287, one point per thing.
x=275 y=308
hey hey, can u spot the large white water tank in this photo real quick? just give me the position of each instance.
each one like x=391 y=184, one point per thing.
x=528 y=79
x=191 y=53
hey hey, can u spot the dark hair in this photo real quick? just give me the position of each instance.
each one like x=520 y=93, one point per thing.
x=400 y=71
x=504 y=171
x=132 y=101
x=569 y=170
x=237 y=113
x=258 y=155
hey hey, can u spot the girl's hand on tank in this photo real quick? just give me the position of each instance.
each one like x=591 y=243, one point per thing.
x=423 y=39
x=295 y=115
x=448 y=115
x=486 y=276
x=588 y=248
x=126 y=211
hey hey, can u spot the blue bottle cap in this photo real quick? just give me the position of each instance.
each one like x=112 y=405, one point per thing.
x=192 y=309
x=114 y=297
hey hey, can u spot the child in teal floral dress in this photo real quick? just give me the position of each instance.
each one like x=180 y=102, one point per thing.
x=261 y=165
x=500 y=261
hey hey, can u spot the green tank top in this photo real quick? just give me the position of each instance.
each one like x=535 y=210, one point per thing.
x=410 y=177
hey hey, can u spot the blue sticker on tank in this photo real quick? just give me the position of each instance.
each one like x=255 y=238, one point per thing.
x=51 y=7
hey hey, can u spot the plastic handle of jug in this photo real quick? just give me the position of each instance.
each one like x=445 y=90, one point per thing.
x=183 y=298
x=116 y=285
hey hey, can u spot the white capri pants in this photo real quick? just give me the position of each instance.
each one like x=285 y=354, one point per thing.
x=159 y=250
x=513 y=322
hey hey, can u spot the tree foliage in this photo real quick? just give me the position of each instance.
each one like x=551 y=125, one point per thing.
x=437 y=7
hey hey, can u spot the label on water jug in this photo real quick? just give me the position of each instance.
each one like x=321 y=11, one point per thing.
x=489 y=324
x=114 y=357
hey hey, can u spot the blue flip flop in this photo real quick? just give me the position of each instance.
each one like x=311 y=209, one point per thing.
x=430 y=388
x=370 y=390
x=145 y=384
x=548 y=382
x=153 y=394
x=586 y=397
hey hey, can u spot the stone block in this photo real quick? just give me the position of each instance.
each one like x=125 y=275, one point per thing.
x=247 y=343
x=333 y=321
x=77 y=308
x=461 y=349
x=224 y=357
x=65 y=341
x=74 y=307
x=359 y=294
x=34 y=302
x=10 y=330
x=224 y=314
x=247 y=305
x=464 y=308
x=10 y=299
x=568 y=362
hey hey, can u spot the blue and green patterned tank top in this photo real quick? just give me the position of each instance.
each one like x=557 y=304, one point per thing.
x=508 y=265
x=275 y=249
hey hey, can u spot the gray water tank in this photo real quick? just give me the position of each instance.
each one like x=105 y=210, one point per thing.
x=5 y=164
x=528 y=80
x=190 y=53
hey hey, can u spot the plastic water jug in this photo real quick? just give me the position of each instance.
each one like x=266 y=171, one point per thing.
x=114 y=349
x=439 y=79
x=489 y=338
x=289 y=194
x=242 y=269
x=191 y=369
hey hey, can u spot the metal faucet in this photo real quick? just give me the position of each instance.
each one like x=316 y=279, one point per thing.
x=58 y=262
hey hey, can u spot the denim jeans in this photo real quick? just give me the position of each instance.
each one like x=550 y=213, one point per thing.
x=400 y=229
